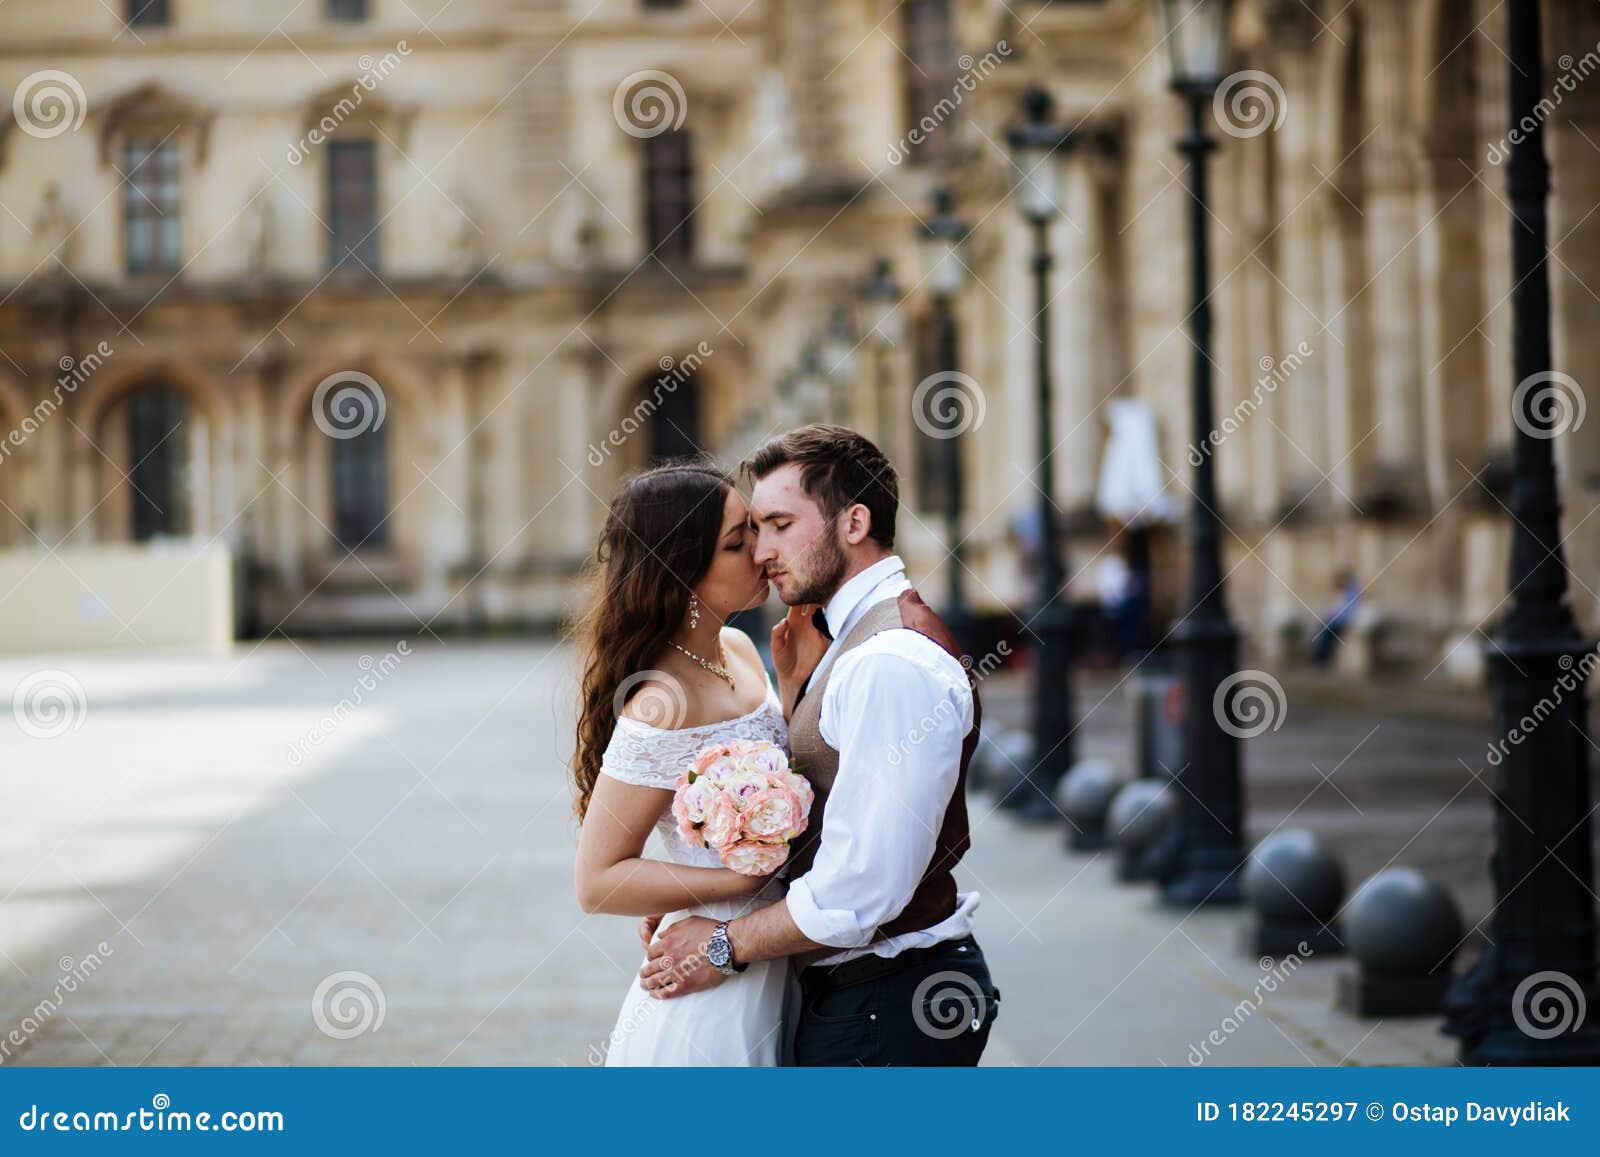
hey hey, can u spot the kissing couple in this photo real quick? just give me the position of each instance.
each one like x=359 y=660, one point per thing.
x=857 y=949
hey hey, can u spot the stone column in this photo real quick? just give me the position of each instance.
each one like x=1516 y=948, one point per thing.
x=52 y=494
x=1077 y=319
x=284 y=458
x=1393 y=221
x=1494 y=229
x=445 y=538
x=83 y=517
x=1296 y=377
x=1574 y=276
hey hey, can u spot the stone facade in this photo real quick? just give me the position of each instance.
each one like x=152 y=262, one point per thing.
x=527 y=350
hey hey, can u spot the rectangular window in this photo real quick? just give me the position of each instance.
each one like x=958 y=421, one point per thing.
x=353 y=205
x=150 y=206
x=147 y=13
x=347 y=11
x=361 y=487
x=928 y=75
x=669 y=197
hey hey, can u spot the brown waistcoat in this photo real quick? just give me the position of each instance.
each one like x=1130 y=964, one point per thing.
x=935 y=897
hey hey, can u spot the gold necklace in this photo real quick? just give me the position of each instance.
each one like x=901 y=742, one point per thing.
x=716 y=669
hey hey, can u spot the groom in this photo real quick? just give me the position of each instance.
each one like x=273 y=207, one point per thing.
x=884 y=728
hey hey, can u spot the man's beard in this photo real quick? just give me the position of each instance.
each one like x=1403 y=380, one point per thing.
x=820 y=586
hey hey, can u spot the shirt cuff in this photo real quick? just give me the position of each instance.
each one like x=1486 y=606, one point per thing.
x=835 y=927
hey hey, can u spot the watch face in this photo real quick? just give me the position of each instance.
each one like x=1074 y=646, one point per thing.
x=719 y=952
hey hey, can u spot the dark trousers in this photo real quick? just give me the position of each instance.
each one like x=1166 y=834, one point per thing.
x=926 y=1006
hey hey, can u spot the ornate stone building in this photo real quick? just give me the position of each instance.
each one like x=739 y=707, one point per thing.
x=387 y=294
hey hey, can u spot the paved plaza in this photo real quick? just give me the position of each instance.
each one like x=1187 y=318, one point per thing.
x=346 y=854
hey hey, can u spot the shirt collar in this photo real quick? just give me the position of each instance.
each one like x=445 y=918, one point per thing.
x=855 y=590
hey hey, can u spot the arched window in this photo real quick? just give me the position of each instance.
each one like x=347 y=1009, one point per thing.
x=158 y=446
x=674 y=422
x=360 y=470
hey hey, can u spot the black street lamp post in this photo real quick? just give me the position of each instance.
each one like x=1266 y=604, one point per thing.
x=943 y=235
x=1036 y=145
x=1207 y=846
x=1542 y=956
x=880 y=302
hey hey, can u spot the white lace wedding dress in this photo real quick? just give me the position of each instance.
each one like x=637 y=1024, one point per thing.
x=740 y=1021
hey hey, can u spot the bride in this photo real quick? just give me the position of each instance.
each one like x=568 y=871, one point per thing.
x=664 y=677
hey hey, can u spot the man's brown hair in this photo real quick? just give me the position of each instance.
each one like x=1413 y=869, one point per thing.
x=838 y=468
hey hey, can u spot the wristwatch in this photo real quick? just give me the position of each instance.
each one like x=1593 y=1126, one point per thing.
x=719 y=951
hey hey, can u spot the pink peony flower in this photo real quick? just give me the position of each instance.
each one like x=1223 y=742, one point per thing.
x=690 y=802
x=769 y=760
x=754 y=858
x=801 y=786
x=722 y=823
x=708 y=756
x=775 y=813
x=720 y=768
x=743 y=784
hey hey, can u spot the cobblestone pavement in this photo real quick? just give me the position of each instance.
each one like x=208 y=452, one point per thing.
x=299 y=854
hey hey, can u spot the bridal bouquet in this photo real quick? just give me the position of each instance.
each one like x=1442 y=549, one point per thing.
x=745 y=802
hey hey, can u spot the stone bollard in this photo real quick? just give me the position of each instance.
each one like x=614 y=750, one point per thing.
x=1084 y=795
x=1404 y=930
x=999 y=762
x=1138 y=816
x=1295 y=886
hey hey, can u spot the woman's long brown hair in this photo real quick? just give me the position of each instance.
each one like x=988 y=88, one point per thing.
x=658 y=541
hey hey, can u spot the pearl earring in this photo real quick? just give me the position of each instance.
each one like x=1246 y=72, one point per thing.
x=694 y=612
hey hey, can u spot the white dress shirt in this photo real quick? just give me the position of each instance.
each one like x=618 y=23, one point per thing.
x=897 y=710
